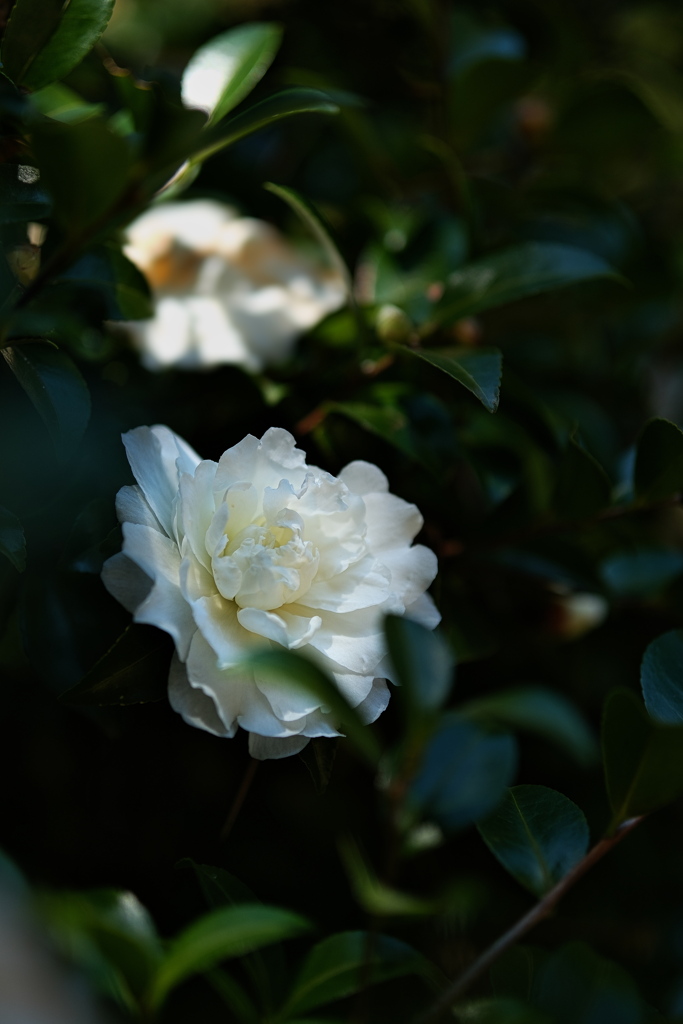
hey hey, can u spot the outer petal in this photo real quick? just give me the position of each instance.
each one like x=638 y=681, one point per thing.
x=364 y=478
x=263 y=463
x=375 y=703
x=412 y=571
x=219 y=625
x=196 y=707
x=157 y=456
x=364 y=584
x=126 y=581
x=197 y=508
x=133 y=507
x=391 y=522
x=265 y=748
x=354 y=640
x=424 y=611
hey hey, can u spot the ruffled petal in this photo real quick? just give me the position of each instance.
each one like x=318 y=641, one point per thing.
x=364 y=584
x=290 y=631
x=197 y=508
x=196 y=706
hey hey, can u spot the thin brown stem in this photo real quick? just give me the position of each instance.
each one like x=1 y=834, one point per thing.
x=240 y=797
x=537 y=914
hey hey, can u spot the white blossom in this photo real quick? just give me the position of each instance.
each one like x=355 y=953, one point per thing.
x=262 y=549
x=226 y=289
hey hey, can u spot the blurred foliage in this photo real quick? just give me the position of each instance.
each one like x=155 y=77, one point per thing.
x=501 y=183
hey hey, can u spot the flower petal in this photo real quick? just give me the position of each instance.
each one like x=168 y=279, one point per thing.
x=412 y=571
x=290 y=631
x=263 y=463
x=197 y=508
x=126 y=581
x=265 y=748
x=157 y=456
x=391 y=522
x=362 y=585
x=375 y=703
x=364 y=478
x=196 y=706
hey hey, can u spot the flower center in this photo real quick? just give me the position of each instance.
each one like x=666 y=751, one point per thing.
x=266 y=565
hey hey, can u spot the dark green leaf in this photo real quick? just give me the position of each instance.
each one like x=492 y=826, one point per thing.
x=422 y=661
x=576 y=986
x=387 y=422
x=80 y=25
x=643 y=759
x=339 y=965
x=12 y=540
x=478 y=370
x=123 y=287
x=537 y=834
x=641 y=572
x=117 y=924
x=63 y=104
x=540 y=711
x=219 y=887
x=500 y=1011
x=274 y=108
x=661 y=676
x=659 y=461
x=516 y=273
x=582 y=487
x=133 y=671
x=31 y=24
x=220 y=935
x=463 y=773
x=85 y=168
x=314 y=221
x=55 y=387
x=223 y=71
x=273 y=665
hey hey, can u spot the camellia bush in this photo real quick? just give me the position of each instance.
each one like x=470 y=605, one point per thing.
x=341 y=539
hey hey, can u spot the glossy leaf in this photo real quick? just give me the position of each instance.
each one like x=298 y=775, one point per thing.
x=479 y=370
x=661 y=677
x=44 y=56
x=313 y=220
x=339 y=965
x=463 y=773
x=659 y=461
x=55 y=387
x=223 y=71
x=582 y=487
x=516 y=273
x=268 y=111
x=297 y=670
x=221 y=935
x=133 y=671
x=537 y=834
x=85 y=167
x=422 y=662
x=12 y=540
x=540 y=711
x=643 y=759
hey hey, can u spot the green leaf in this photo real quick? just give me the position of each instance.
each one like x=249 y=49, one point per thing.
x=659 y=461
x=55 y=387
x=643 y=759
x=500 y=1011
x=576 y=986
x=28 y=31
x=516 y=273
x=422 y=661
x=387 y=422
x=218 y=886
x=641 y=572
x=63 y=104
x=582 y=487
x=85 y=167
x=478 y=370
x=661 y=677
x=537 y=834
x=45 y=58
x=124 y=289
x=540 y=711
x=223 y=71
x=463 y=773
x=274 y=108
x=12 y=540
x=116 y=922
x=220 y=935
x=314 y=221
x=276 y=666
x=133 y=671
x=339 y=965
x=374 y=896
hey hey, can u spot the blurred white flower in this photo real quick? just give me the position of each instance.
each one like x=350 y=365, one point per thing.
x=262 y=549
x=226 y=289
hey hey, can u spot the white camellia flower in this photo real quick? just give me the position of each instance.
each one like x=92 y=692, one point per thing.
x=226 y=289
x=262 y=549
